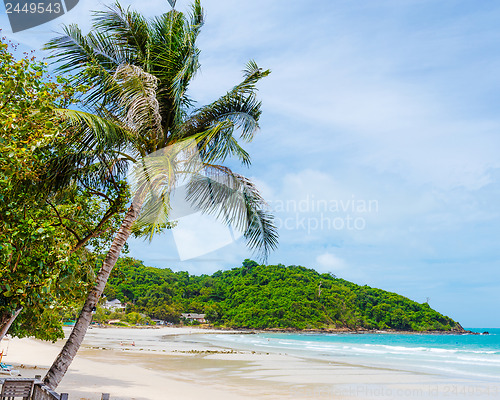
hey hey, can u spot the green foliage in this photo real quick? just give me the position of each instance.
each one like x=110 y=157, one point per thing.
x=136 y=318
x=101 y=315
x=44 y=325
x=120 y=323
x=44 y=266
x=274 y=296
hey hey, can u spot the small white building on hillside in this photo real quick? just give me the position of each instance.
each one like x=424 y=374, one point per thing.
x=194 y=317
x=114 y=305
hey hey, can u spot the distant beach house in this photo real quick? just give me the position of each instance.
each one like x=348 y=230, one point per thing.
x=114 y=305
x=194 y=317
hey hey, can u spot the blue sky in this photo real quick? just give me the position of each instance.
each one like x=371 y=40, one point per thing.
x=388 y=103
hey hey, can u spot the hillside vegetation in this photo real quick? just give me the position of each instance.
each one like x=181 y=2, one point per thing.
x=269 y=297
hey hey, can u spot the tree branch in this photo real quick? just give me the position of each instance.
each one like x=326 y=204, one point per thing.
x=98 y=193
x=72 y=231
x=96 y=231
x=10 y=96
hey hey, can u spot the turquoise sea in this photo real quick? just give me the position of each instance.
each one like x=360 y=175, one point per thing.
x=456 y=356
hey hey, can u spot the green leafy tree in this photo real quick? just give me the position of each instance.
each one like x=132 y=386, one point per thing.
x=136 y=318
x=166 y=312
x=138 y=71
x=44 y=266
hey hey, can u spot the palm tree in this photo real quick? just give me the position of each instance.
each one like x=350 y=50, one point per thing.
x=138 y=114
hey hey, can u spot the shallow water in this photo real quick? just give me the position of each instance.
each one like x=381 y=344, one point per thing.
x=456 y=356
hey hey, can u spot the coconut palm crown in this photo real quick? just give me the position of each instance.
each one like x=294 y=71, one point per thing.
x=138 y=72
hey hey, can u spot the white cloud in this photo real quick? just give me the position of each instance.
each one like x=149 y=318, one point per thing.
x=197 y=235
x=330 y=262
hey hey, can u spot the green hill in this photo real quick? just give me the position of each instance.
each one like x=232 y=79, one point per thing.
x=269 y=297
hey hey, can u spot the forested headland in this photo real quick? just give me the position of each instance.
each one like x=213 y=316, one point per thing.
x=269 y=297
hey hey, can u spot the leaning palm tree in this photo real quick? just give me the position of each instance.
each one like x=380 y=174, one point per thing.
x=138 y=118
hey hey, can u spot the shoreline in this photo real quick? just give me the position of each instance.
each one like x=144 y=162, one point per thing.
x=250 y=331
x=173 y=358
x=362 y=331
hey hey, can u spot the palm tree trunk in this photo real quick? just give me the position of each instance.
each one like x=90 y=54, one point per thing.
x=68 y=352
x=6 y=321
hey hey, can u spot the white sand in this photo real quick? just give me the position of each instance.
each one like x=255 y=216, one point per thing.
x=159 y=364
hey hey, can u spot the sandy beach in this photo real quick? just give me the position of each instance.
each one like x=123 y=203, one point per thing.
x=169 y=363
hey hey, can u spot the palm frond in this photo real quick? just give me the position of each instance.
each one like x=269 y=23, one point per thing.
x=196 y=18
x=156 y=177
x=214 y=125
x=137 y=96
x=91 y=131
x=129 y=28
x=91 y=150
x=244 y=112
x=88 y=168
x=153 y=218
x=188 y=62
x=235 y=200
x=174 y=60
x=261 y=234
x=89 y=59
x=217 y=143
x=71 y=50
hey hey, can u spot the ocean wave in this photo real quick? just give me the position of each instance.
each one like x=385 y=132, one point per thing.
x=485 y=361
